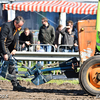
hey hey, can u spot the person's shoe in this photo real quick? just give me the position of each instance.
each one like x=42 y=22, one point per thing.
x=18 y=88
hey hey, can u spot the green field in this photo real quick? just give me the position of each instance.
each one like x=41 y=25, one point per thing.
x=58 y=82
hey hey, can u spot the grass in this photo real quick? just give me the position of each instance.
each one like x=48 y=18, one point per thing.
x=58 y=82
x=1 y=78
x=22 y=69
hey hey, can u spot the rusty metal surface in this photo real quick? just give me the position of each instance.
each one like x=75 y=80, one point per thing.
x=86 y=38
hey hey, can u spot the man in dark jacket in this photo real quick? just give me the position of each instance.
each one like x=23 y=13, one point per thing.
x=69 y=39
x=46 y=34
x=26 y=39
x=9 y=36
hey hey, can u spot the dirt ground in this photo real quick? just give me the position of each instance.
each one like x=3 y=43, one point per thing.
x=49 y=91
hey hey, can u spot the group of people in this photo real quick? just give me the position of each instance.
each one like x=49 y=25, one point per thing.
x=10 y=39
x=66 y=37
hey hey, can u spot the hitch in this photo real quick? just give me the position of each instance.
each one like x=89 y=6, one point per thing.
x=37 y=71
x=38 y=77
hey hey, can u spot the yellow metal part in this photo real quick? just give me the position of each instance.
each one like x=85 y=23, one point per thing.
x=92 y=76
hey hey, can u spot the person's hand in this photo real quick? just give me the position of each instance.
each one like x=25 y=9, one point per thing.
x=13 y=52
x=75 y=44
x=55 y=45
x=23 y=45
x=68 y=27
x=5 y=57
x=28 y=42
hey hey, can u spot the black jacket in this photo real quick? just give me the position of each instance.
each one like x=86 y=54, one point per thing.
x=8 y=37
x=56 y=37
x=68 y=39
x=46 y=34
x=24 y=38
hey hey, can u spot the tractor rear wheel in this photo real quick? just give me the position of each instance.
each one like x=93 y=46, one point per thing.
x=89 y=75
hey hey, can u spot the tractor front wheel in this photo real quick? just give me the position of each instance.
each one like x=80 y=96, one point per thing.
x=89 y=75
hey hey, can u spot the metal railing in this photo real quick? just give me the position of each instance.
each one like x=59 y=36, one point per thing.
x=46 y=56
x=63 y=46
x=43 y=46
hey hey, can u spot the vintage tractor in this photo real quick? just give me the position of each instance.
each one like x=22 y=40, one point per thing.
x=89 y=63
x=89 y=74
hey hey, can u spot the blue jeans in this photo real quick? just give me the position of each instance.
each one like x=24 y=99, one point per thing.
x=47 y=49
x=41 y=62
x=65 y=50
x=74 y=49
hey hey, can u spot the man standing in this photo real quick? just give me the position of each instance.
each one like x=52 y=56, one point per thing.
x=70 y=23
x=26 y=39
x=46 y=34
x=9 y=36
x=69 y=38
